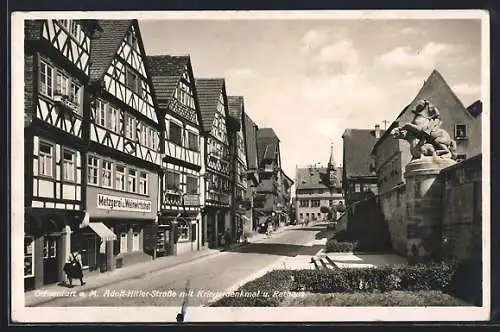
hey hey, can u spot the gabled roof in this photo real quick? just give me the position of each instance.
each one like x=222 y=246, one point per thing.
x=166 y=71
x=267 y=144
x=236 y=107
x=103 y=49
x=358 y=144
x=438 y=92
x=316 y=178
x=250 y=133
x=476 y=108
x=208 y=90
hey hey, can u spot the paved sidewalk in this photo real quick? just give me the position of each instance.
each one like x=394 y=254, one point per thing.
x=99 y=280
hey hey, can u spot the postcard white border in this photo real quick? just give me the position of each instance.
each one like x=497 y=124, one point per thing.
x=20 y=313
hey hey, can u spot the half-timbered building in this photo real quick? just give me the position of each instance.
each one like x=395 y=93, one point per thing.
x=239 y=168
x=250 y=130
x=124 y=150
x=56 y=70
x=180 y=224
x=217 y=164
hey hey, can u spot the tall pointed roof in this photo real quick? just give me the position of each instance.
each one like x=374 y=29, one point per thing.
x=331 y=161
x=267 y=144
x=103 y=49
x=438 y=92
x=250 y=132
x=209 y=90
x=167 y=71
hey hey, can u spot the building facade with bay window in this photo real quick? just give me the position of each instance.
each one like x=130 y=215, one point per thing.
x=56 y=70
x=123 y=159
x=180 y=225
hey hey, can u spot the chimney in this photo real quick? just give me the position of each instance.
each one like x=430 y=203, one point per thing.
x=377 y=131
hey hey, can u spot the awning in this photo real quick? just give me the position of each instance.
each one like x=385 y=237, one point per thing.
x=103 y=231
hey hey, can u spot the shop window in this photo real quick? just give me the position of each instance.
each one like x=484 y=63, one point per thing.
x=107 y=174
x=29 y=256
x=92 y=170
x=183 y=230
x=68 y=165
x=49 y=248
x=123 y=242
x=45 y=159
x=357 y=188
x=135 y=241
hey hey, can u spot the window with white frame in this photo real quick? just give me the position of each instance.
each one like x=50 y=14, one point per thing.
x=100 y=112
x=120 y=178
x=74 y=93
x=92 y=170
x=143 y=183
x=123 y=242
x=193 y=141
x=115 y=119
x=46 y=74
x=132 y=180
x=62 y=85
x=68 y=165
x=357 y=187
x=107 y=174
x=191 y=184
x=49 y=248
x=136 y=241
x=460 y=131
x=315 y=203
x=304 y=203
x=175 y=133
x=45 y=159
x=173 y=181
x=130 y=127
x=133 y=81
x=29 y=256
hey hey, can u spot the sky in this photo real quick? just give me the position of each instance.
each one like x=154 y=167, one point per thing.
x=311 y=79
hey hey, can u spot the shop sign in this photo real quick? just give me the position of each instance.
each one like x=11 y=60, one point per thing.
x=108 y=202
x=191 y=200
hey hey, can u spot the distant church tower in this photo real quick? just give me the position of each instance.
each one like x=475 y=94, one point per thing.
x=332 y=170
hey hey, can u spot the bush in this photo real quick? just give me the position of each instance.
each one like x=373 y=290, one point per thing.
x=269 y=289
x=332 y=245
x=405 y=278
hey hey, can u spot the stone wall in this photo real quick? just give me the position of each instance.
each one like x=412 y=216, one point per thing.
x=393 y=206
x=462 y=209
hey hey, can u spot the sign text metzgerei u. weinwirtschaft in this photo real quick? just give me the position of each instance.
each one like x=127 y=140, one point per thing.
x=108 y=202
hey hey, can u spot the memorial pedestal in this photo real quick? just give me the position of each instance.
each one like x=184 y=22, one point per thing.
x=424 y=205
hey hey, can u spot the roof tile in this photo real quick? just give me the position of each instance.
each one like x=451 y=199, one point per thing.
x=208 y=90
x=358 y=144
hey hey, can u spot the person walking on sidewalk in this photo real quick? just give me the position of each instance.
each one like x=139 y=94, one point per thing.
x=77 y=267
x=227 y=239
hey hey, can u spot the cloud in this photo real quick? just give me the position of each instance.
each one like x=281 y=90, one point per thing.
x=411 y=31
x=341 y=52
x=466 y=89
x=240 y=72
x=318 y=37
x=425 y=58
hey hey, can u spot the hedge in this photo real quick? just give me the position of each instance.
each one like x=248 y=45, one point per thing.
x=271 y=289
x=332 y=245
x=431 y=277
x=437 y=276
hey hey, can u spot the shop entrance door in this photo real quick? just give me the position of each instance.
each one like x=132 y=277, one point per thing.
x=50 y=263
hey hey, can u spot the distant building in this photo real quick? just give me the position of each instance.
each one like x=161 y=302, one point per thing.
x=318 y=187
x=239 y=164
x=392 y=155
x=250 y=132
x=267 y=198
x=359 y=177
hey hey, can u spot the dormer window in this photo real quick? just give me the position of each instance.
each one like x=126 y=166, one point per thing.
x=460 y=131
x=133 y=81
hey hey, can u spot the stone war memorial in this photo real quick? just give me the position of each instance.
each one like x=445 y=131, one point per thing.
x=432 y=150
